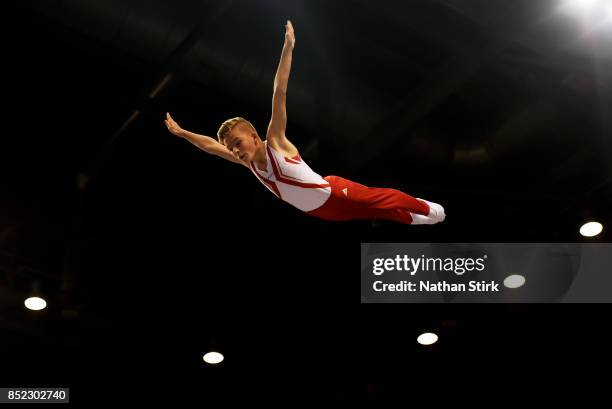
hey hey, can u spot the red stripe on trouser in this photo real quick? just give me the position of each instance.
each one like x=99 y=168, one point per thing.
x=363 y=202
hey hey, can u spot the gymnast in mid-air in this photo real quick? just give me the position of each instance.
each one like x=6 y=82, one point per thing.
x=277 y=164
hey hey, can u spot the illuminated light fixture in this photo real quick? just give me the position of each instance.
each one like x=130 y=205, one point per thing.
x=427 y=338
x=35 y=303
x=213 y=358
x=591 y=229
x=514 y=281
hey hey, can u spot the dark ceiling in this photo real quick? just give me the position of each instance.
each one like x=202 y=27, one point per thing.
x=150 y=251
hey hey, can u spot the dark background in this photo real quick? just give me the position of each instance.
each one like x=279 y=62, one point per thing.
x=149 y=252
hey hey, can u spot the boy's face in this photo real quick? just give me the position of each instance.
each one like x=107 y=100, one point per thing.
x=241 y=141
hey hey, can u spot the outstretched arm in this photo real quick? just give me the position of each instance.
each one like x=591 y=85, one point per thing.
x=276 y=129
x=206 y=143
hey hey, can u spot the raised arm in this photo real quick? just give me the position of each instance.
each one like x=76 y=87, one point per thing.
x=276 y=129
x=206 y=143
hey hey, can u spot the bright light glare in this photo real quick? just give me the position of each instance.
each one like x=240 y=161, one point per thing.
x=578 y=6
x=514 y=281
x=213 y=358
x=591 y=229
x=35 y=303
x=427 y=338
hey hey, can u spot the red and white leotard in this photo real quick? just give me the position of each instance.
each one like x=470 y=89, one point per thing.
x=292 y=180
x=337 y=198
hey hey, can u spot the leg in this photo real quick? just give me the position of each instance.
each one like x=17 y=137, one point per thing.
x=387 y=203
x=351 y=200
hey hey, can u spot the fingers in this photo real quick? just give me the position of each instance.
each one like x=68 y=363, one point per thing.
x=169 y=121
x=172 y=126
x=289 y=34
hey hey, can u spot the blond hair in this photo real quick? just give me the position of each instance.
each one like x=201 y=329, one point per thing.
x=227 y=126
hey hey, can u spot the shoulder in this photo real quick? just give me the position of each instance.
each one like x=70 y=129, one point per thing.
x=282 y=145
